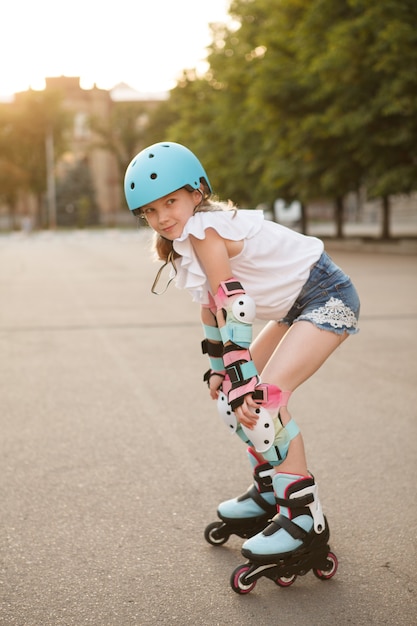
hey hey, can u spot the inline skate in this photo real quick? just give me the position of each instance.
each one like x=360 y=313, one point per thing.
x=295 y=542
x=249 y=513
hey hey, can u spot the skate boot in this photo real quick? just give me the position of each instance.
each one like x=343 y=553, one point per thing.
x=295 y=541
x=249 y=513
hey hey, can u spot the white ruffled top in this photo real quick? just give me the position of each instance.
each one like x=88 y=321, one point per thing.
x=273 y=265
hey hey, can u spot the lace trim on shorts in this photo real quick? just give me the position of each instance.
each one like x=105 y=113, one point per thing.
x=334 y=312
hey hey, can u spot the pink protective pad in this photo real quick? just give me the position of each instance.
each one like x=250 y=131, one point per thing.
x=271 y=396
x=226 y=385
x=227 y=288
x=242 y=373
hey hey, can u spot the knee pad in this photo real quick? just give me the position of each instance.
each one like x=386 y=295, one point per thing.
x=272 y=398
x=226 y=413
x=269 y=437
x=277 y=453
x=253 y=437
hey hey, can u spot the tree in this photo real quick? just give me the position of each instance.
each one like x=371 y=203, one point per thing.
x=76 y=200
x=34 y=115
x=344 y=96
x=213 y=119
x=160 y=119
x=124 y=133
x=13 y=177
x=366 y=74
x=306 y=98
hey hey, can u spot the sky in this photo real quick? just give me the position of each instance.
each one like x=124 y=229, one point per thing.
x=144 y=43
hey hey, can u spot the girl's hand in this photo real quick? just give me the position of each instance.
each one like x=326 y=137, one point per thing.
x=215 y=383
x=245 y=412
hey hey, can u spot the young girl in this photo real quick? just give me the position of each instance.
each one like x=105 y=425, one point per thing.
x=240 y=267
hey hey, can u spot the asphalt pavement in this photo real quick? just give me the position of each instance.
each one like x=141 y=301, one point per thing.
x=113 y=459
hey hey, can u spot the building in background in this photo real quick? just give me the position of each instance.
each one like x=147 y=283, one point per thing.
x=86 y=154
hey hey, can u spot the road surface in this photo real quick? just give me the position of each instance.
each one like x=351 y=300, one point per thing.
x=113 y=459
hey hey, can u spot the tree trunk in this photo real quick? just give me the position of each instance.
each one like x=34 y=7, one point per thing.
x=386 y=210
x=339 y=217
x=39 y=212
x=303 y=218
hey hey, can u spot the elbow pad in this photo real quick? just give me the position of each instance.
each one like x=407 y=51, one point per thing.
x=239 y=311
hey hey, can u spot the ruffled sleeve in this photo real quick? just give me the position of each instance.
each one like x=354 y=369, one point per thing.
x=233 y=225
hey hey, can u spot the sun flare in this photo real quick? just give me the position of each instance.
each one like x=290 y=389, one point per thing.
x=102 y=45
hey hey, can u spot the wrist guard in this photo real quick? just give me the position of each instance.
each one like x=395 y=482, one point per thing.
x=213 y=347
x=210 y=373
x=241 y=372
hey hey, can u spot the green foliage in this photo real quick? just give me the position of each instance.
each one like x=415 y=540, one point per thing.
x=305 y=98
x=302 y=99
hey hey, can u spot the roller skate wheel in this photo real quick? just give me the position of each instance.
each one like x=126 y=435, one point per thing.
x=236 y=582
x=330 y=571
x=212 y=536
x=285 y=581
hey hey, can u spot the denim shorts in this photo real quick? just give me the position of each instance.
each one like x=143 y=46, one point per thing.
x=328 y=300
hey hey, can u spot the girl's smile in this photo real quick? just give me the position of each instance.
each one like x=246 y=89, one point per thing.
x=169 y=214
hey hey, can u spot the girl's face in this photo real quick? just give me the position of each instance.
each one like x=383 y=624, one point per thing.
x=169 y=214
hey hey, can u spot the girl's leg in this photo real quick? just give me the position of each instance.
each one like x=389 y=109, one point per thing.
x=266 y=342
x=301 y=351
x=299 y=354
x=249 y=513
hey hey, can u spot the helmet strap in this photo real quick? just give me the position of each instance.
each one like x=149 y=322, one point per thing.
x=170 y=261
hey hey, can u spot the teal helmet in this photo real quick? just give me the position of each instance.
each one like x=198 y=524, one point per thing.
x=161 y=169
